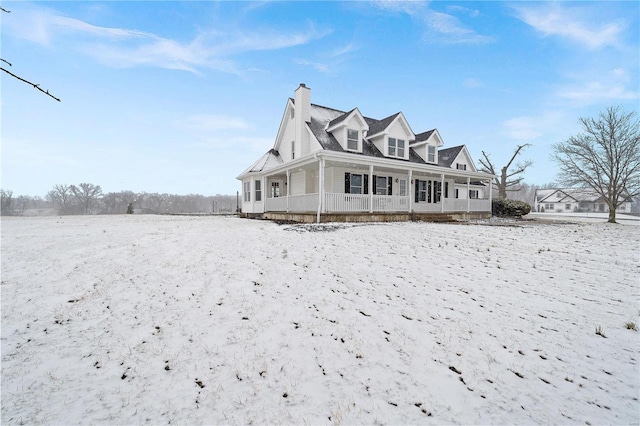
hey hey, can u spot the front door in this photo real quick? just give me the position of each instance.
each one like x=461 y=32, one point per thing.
x=276 y=188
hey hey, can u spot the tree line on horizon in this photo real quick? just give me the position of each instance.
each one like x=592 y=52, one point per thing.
x=87 y=198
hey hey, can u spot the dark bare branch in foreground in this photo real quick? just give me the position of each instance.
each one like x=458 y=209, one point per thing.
x=37 y=86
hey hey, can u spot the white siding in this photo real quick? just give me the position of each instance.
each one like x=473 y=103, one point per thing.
x=288 y=135
x=297 y=183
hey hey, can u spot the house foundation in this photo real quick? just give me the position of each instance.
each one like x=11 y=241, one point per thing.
x=310 y=217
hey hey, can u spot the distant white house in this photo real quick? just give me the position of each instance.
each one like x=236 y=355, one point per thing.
x=328 y=164
x=565 y=200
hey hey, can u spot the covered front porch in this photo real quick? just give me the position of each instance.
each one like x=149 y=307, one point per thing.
x=329 y=186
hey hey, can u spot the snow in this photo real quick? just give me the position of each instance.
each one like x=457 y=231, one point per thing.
x=220 y=320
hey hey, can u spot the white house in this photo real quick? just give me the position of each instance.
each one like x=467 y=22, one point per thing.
x=332 y=165
x=565 y=200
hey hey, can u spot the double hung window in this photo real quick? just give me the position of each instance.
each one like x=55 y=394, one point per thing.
x=396 y=148
x=431 y=154
x=353 y=139
x=247 y=192
x=258 y=190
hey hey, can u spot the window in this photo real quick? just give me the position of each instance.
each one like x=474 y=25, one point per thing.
x=355 y=183
x=457 y=193
x=567 y=206
x=258 y=190
x=421 y=190
x=382 y=185
x=275 y=189
x=396 y=148
x=247 y=192
x=353 y=139
x=461 y=166
x=548 y=206
x=473 y=193
x=431 y=154
x=438 y=191
x=293 y=150
x=402 y=187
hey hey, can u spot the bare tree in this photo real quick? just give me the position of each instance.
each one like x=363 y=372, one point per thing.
x=604 y=157
x=36 y=86
x=508 y=179
x=6 y=202
x=61 y=196
x=86 y=194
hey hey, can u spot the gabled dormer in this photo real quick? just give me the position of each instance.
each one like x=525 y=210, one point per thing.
x=349 y=130
x=457 y=157
x=392 y=136
x=426 y=145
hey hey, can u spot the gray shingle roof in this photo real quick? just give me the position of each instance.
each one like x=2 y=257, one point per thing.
x=446 y=156
x=323 y=117
x=423 y=136
x=377 y=126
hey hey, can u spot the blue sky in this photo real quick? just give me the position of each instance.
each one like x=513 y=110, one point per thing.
x=181 y=97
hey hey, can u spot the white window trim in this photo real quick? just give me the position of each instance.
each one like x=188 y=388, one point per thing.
x=396 y=148
x=247 y=191
x=358 y=141
x=430 y=155
x=257 y=189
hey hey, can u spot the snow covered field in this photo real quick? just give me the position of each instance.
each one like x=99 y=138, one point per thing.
x=191 y=320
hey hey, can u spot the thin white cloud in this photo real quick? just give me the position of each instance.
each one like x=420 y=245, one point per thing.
x=474 y=13
x=573 y=23
x=530 y=128
x=605 y=88
x=211 y=122
x=318 y=66
x=121 y=47
x=439 y=27
x=473 y=83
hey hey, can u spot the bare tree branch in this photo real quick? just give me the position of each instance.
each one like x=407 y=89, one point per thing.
x=503 y=182
x=37 y=86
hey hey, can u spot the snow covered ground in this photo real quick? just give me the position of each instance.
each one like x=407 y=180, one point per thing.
x=192 y=320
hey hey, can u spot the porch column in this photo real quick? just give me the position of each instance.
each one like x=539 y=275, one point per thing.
x=410 y=190
x=288 y=189
x=490 y=196
x=371 y=189
x=468 y=195
x=442 y=192
x=321 y=186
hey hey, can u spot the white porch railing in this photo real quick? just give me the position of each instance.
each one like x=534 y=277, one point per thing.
x=390 y=203
x=303 y=203
x=276 y=204
x=346 y=202
x=359 y=203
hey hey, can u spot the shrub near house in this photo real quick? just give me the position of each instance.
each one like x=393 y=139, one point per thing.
x=509 y=208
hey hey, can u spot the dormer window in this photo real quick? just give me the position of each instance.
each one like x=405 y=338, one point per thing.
x=353 y=139
x=431 y=154
x=461 y=166
x=396 y=147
